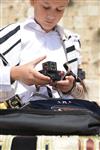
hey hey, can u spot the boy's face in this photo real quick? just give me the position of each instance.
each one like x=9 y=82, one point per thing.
x=48 y=12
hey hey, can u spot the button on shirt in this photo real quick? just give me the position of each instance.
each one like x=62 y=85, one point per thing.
x=35 y=42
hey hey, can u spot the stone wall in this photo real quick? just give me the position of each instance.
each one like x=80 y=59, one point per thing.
x=83 y=17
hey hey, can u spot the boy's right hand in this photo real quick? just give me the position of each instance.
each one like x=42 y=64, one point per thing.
x=28 y=74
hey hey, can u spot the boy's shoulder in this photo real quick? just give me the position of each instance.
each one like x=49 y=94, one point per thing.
x=10 y=27
x=68 y=33
x=9 y=30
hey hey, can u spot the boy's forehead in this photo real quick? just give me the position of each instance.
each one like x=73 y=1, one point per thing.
x=59 y=2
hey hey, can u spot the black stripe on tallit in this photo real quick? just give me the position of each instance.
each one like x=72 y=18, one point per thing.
x=8 y=35
x=70 y=49
x=7 y=51
x=73 y=60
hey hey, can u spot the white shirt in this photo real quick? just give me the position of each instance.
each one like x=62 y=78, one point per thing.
x=35 y=42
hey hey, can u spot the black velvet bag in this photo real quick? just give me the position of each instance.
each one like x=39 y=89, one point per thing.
x=52 y=117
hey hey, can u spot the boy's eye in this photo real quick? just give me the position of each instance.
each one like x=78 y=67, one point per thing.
x=60 y=9
x=46 y=7
x=57 y=9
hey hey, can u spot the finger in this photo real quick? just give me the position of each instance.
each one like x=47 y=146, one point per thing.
x=38 y=60
x=70 y=78
x=63 y=82
x=41 y=76
x=40 y=82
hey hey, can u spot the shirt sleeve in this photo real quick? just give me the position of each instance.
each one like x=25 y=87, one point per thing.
x=10 y=46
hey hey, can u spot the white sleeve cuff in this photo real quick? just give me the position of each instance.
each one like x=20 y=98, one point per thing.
x=5 y=75
x=6 y=90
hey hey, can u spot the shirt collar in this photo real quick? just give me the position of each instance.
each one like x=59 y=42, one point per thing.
x=32 y=24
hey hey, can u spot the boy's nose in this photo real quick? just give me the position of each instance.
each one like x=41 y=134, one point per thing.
x=50 y=17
